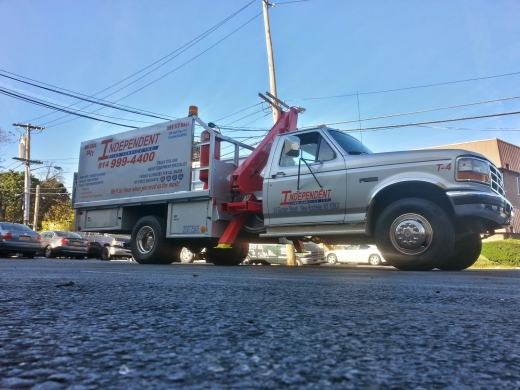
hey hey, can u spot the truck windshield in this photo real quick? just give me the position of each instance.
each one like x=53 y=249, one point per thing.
x=349 y=144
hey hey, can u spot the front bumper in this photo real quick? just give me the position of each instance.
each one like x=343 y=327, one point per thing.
x=485 y=205
x=118 y=251
x=311 y=260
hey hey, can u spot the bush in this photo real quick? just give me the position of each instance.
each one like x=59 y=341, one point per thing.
x=503 y=252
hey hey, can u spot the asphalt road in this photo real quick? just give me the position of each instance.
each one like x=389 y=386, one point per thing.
x=88 y=324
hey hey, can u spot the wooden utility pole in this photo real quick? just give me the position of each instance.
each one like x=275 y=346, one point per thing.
x=36 y=207
x=270 y=56
x=26 y=157
x=291 y=260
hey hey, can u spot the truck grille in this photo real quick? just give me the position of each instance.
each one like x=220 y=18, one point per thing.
x=497 y=181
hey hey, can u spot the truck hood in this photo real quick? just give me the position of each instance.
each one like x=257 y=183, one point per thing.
x=404 y=157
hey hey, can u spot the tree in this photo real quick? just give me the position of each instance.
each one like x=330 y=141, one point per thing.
x=6 y=137
x=11 y=196
x=60 y=216
x=54 y=198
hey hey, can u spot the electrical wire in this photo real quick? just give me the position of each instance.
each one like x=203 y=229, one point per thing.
x=245 y=109
x=180 y=66
x=97 y=101
x=419 y=112
x=414 y=87
x=59 y=106
x=188 y=44
x=33 y=101
x=432 y=122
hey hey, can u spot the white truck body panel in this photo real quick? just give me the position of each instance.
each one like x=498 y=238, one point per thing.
x=141 y=165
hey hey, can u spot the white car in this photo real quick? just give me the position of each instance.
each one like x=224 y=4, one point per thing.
x=366 y=254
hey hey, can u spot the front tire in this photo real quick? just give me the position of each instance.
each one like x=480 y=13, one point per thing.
x=148 y=242
x=414 y=235
x=465 y=253
x=332 y=259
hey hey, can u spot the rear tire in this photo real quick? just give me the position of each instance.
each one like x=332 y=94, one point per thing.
x=148 y=242
x=227 y=256
x=105 y=253
x=465 y=253
x=374 y=260
x=186 y=256
x=49 y=253
x=414 y=235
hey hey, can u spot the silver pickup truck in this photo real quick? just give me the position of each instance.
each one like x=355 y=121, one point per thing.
x=424 y=209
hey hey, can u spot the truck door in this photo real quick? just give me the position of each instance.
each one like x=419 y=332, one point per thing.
x=320 y=198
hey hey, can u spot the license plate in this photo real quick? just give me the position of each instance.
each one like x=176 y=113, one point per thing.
x=25 y=238
x=77 y=243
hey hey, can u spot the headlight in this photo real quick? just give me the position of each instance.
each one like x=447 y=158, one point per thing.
x=473 y=169
x=117 y=243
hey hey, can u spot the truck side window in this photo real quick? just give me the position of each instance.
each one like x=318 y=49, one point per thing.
x=313 y=149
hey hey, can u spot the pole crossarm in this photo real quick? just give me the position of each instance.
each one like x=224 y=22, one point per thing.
x=28 y=161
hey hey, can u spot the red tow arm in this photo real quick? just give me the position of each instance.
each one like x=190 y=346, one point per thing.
x=246 y=179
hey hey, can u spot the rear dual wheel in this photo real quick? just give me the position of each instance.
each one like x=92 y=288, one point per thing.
x=149 y=244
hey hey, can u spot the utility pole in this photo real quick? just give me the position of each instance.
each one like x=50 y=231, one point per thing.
x=36 y=207
x=27 y=159
x=291 y=260
x=270 y=56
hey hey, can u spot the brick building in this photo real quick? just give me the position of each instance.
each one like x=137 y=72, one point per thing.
x=506 y=157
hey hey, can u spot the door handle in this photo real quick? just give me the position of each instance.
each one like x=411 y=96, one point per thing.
x=278 y=174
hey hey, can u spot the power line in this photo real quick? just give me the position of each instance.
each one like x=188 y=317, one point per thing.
x=438 y=121
x=97 y=101
x=245 y=109
x=468 y=129
x=188 y=44
x=419 y=112
x=59 y=106
x=33 y=101
x=414 y=87
x=180 y=66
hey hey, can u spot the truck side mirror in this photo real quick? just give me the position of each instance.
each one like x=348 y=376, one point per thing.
x=291 y=146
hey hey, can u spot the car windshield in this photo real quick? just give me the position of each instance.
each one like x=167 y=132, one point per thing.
x=68 y=234
x=349 y=144
x=15 y=226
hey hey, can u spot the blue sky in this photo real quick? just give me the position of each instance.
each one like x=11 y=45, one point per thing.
x=322 y=48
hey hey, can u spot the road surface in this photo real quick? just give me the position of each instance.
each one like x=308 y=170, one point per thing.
x=89 y=324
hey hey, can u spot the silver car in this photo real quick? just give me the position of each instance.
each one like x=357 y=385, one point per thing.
x=365 y=254
x=18 y=238
x=56 y=243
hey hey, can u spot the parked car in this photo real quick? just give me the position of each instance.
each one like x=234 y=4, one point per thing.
x=108 y=246
x=17 y=238
x=187 y=256
x=268 y=254
x=367 y=254
x=57 y=243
